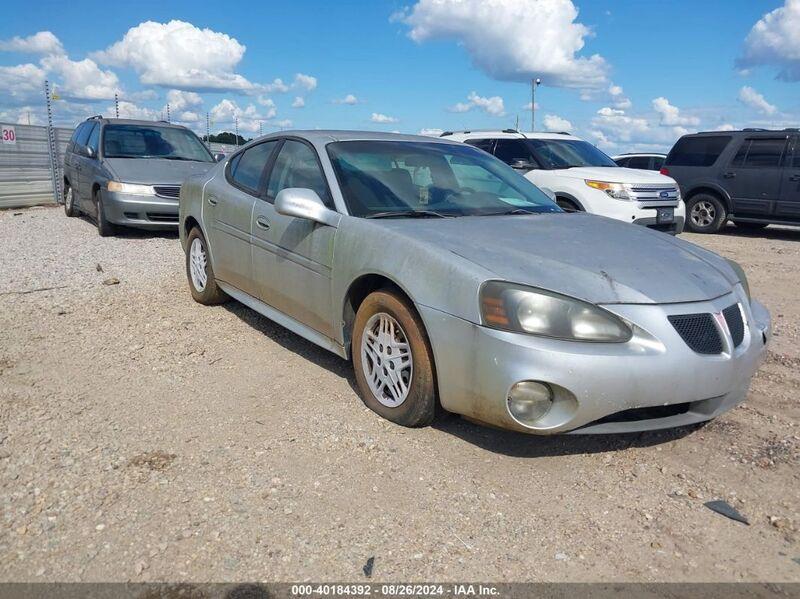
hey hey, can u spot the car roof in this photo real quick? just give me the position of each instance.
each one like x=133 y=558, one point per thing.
x=747 y=131
x=115 y=121
x=507 y=134
x=325 y=136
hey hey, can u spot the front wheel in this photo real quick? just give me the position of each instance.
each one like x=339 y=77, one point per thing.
x=393 y=360
x=104 y=227
x=567 y=205
x=69 y=201
x=705 y=214
x=202 y=283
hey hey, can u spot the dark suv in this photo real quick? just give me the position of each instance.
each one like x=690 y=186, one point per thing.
x=751 y=177
x=126 y=172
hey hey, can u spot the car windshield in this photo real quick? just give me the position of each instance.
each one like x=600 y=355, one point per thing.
x=385 y=179
x=152 y=141
x=567 y=153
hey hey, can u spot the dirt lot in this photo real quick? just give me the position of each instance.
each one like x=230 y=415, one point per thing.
x=146 y=437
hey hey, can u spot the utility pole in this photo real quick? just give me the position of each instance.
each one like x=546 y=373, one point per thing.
x=534 y=84
x=260 y=128
x=236 y=126
x=116 y=104
x=52 y=147
x=168 y=112
x=208 y=131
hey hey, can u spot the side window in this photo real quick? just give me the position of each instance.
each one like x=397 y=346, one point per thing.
x=94 y=139
x=796 y=159
x=658 y=162
x=641 y=162
x=246 y=168
x=512 y=150
x=77 y=133
x=83 y=134
x=702 y=150
x=760 y=153
x=297 y=166
x=487 y=145
x=622 y=161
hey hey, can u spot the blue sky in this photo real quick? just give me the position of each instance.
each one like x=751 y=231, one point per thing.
x=626 y=74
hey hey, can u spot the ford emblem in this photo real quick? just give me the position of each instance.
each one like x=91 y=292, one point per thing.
x=664 y=195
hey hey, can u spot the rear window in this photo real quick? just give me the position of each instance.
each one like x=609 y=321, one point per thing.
x=697 y=151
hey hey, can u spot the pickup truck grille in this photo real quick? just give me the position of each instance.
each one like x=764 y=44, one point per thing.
x=168 y=191
x=652 y=194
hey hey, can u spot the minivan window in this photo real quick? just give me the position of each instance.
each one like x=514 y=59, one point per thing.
x=763 y=152
x=94 y=140
x=82 y=134
x=247 y=167
x=153 y=141
x=697 y=151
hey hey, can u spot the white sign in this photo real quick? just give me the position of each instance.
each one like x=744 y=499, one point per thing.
x=8 y=134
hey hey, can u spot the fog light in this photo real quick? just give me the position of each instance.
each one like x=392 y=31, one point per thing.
x=528 y=401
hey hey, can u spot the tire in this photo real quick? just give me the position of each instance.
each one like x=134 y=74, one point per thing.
x=104 y=227
x=568 y=205
x=207 y=293
x=70 y=209
x=378 y=313
x=705 y=213
x=750 y=226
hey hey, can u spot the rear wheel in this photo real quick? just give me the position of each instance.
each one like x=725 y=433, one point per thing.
x=393 y=360
x=70 y=209
x=104 y=227
x=705 y=213
x=202 y=283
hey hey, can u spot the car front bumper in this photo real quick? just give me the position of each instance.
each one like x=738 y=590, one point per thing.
x=140 y=211
x=598 y=385
x=638 y=213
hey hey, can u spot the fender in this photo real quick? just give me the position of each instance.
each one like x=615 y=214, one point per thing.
x=712 y=186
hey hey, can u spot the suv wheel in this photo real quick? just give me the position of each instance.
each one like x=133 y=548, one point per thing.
x=104 y=227
x=393 y=360
x=568 y=205
x=202 y=283
x=69 y=201
x=705 y=213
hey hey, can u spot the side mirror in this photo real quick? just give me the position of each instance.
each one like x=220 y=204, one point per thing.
x=90 y=152
x=219 y=156
x=305 y=203
x=523 y=165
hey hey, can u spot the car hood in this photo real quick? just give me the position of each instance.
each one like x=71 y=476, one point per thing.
x=154 y=171
x=589 y=257
x=615 y=174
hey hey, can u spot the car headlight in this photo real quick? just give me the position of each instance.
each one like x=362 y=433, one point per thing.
x=538 y=312
x=742 y=277
x=618 y=191
x=141 y=190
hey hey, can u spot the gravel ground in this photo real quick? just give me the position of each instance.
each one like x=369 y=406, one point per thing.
x=146 y=437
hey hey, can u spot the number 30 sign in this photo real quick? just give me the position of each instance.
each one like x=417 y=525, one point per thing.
x=8 y=134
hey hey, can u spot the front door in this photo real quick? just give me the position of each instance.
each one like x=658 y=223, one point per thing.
x=292 y=257
x=788 y=206
x=228 y=209
x=753 y=177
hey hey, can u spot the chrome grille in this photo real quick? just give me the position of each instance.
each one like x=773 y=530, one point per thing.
x=651 y=194
x=168 y=191
x=698 y=331
x=733 y=316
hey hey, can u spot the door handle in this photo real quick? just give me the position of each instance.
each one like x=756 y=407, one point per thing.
x=262 y=223
x=794 y=178
x=212 y=200
x=729 y=175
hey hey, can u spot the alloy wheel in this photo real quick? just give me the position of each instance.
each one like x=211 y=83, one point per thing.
x=703 y=213
x=197 y=265
x=386 y=359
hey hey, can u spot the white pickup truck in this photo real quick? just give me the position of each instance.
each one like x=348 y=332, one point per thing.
x=582 y=178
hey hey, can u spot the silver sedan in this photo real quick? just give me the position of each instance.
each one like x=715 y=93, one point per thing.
x=451 y=281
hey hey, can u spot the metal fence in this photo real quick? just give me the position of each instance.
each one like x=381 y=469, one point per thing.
x=26 y=178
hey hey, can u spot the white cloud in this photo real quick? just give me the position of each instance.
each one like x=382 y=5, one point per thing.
x=618 y=98
x=250 y=119
x=377 y=117
x=493 y=105
x=129 y=110
x=43 y=42
x=513 y=40
x=181 y=100
x=298 y=102
x=268 y=103
x=614 y=130
x=349 y=99
x=22 y=82
x=284 y=124
x=179 y=55
x=306 y=82
x=82 y=79
x=277 y=86
x=671 y=115
x=725 y=127
x=553 y=122
x=24 y=115
x=750 y=97
x=431 y=132
x=774 y=40
x=528 y=106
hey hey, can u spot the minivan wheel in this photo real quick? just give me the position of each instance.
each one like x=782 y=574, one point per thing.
x=393 y=360
x=705 y=214
x=104 y=227
x=202 y=283
x=69 y=201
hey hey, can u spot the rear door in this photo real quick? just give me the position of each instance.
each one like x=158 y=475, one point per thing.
x=228 y=211
x=753 y=176
x=292 y=257
x=788 y=206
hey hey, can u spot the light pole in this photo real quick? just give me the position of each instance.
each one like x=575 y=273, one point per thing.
x=534 y=84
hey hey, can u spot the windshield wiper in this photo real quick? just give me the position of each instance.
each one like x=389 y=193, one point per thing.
x=180 y=158
x=514 y=211
x=409 y=214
